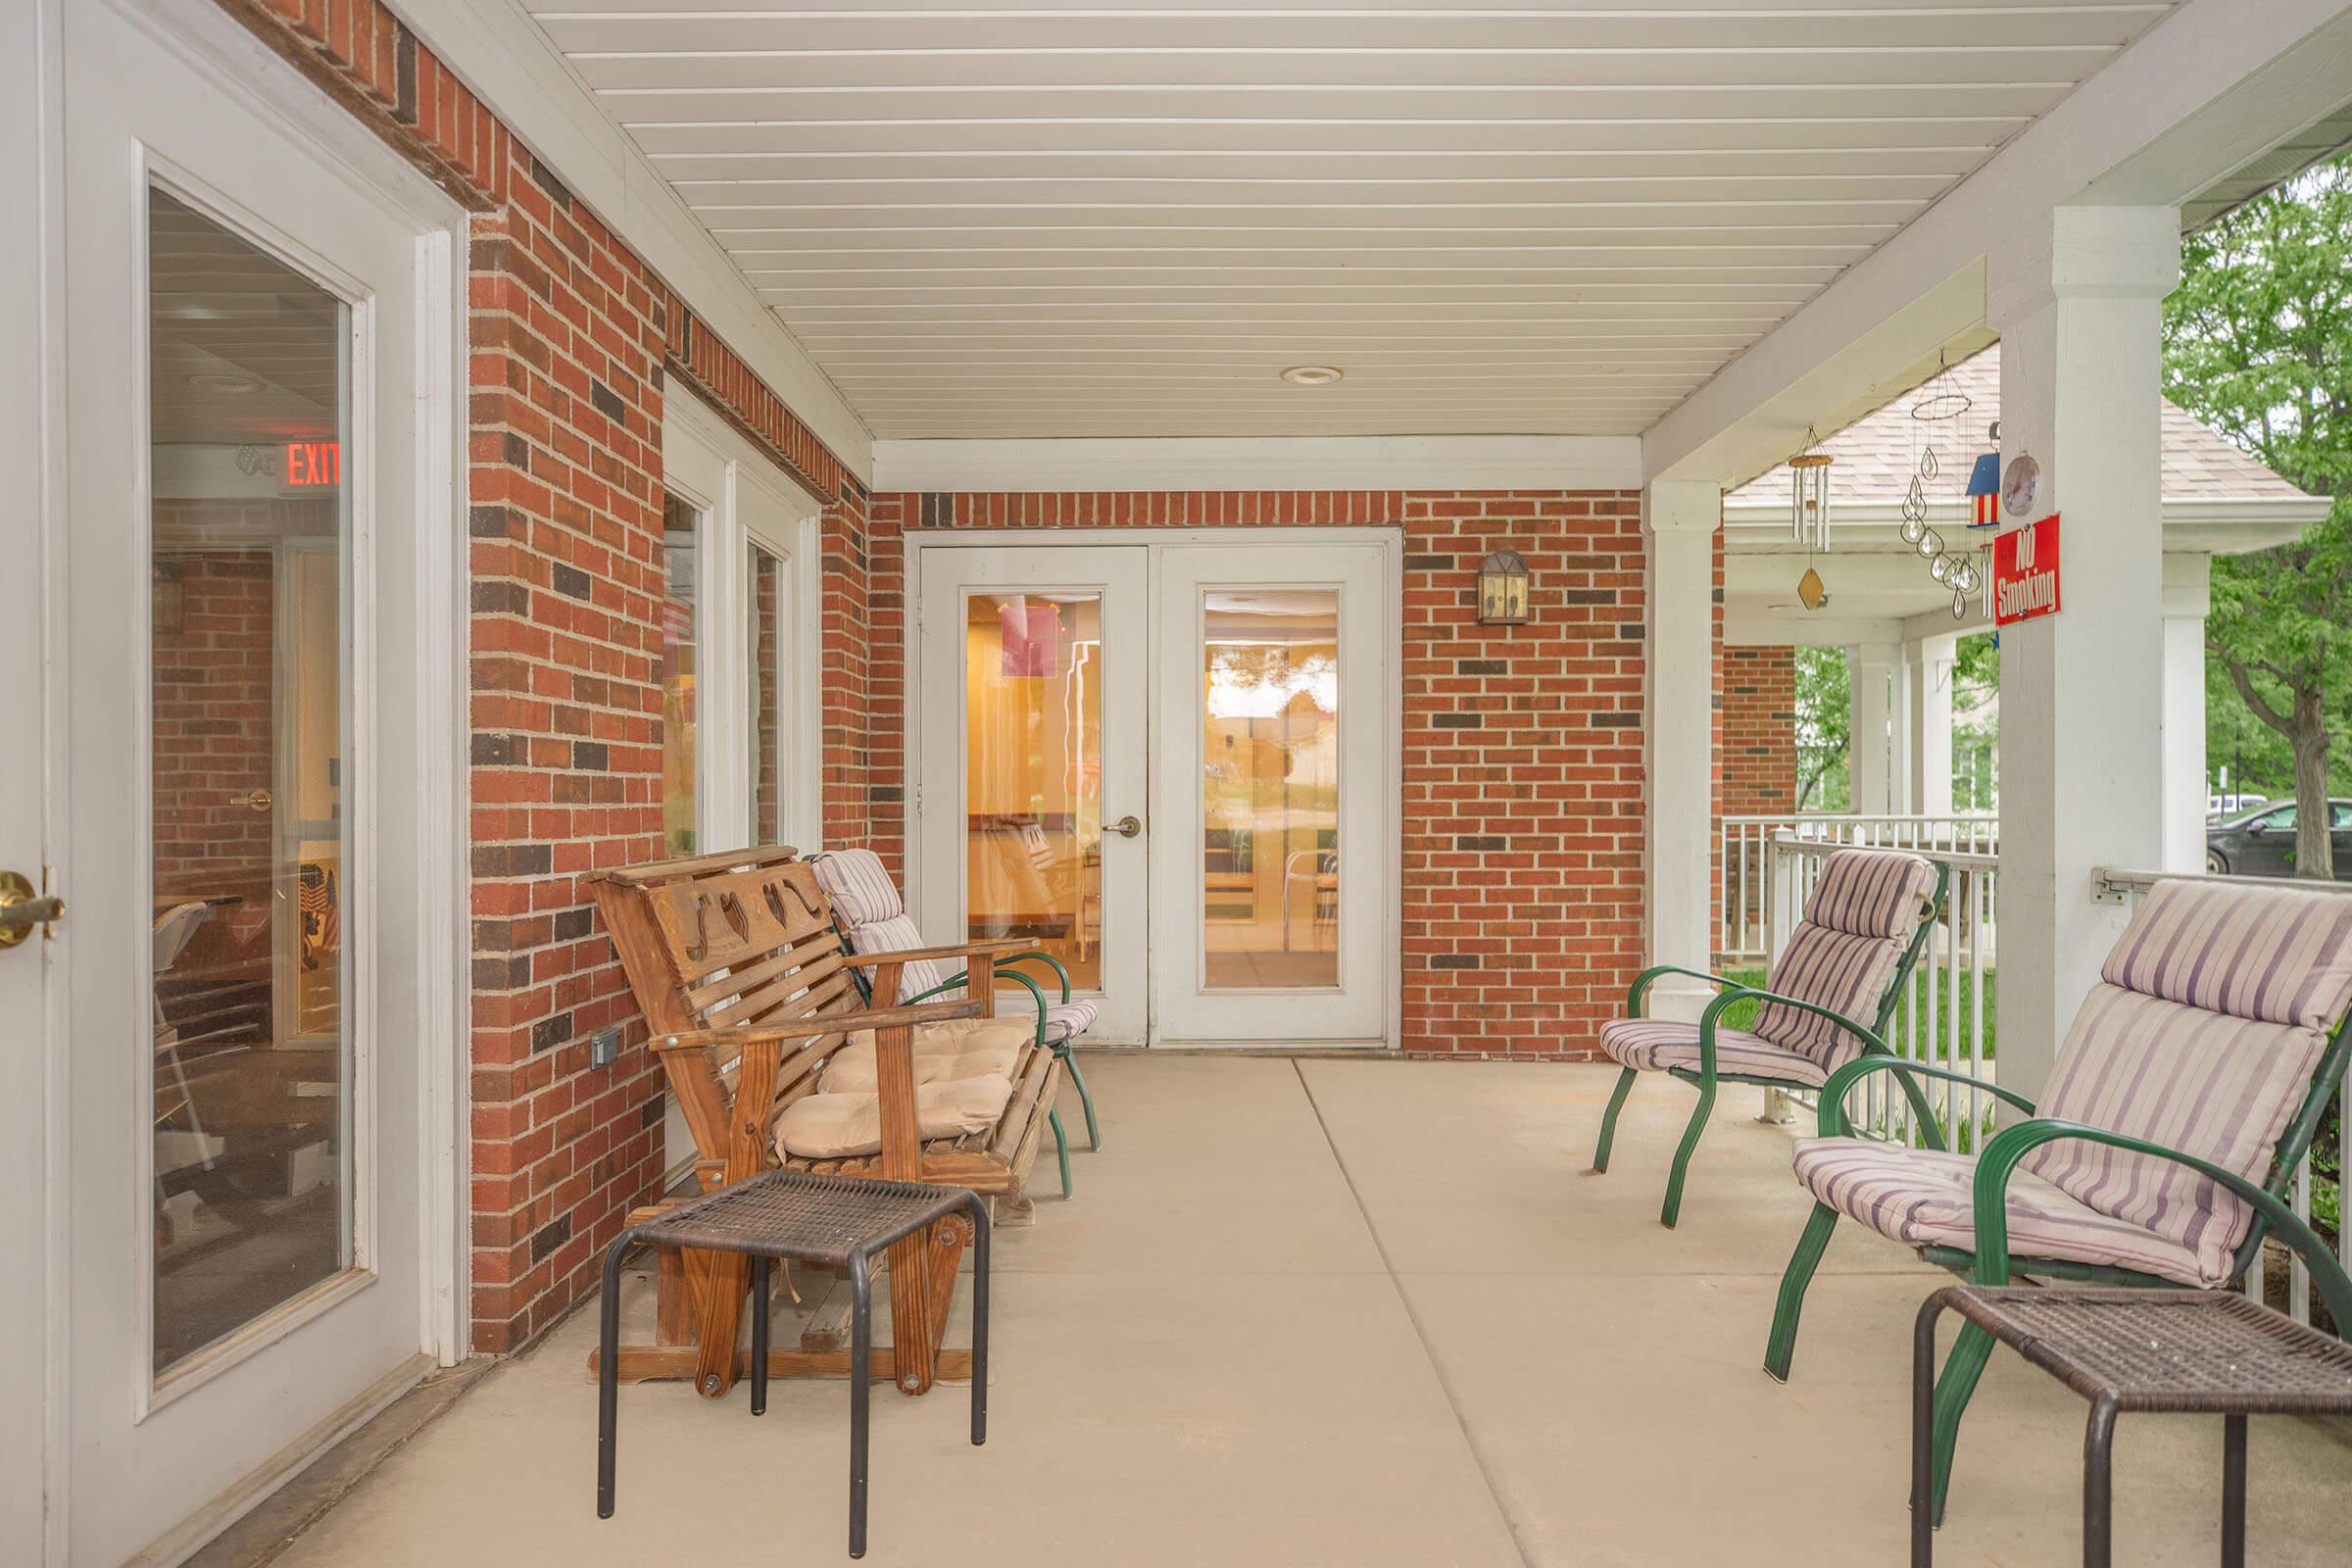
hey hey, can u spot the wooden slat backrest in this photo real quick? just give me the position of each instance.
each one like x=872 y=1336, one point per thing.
x=719 y=941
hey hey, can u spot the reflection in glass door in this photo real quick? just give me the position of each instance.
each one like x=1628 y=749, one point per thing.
x=1033 y=774
x=250 y=561
x=681 y=558
x=1270 y=789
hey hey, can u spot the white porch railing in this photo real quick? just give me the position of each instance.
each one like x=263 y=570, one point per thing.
x=1944 y=1016
x=1745 y=858
x=2112 y=886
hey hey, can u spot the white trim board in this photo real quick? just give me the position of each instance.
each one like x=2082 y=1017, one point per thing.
x=499 y=52
x=1271 y=463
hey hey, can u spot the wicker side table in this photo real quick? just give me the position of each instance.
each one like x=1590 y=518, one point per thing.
x=2181 y=1352
x=838 y=1221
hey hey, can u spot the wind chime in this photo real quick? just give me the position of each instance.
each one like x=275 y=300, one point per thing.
x=1809 y=515
x=1957 y=571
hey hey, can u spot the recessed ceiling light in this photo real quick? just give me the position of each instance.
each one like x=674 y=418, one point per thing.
x=227 y=383
x=1312 y=375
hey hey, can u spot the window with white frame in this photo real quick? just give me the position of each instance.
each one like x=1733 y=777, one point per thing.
x=739 y=666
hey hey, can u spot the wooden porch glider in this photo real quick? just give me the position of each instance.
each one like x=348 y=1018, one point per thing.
x=735 y=962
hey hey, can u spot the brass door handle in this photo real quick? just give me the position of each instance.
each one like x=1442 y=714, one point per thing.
x=1127 y=826
x=22 y=907
x=259 y=800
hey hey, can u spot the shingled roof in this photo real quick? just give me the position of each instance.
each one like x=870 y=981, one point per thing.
x=1878 y=453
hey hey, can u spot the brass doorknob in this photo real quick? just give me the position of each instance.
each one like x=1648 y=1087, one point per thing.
x=259 y=800
x=22 y=907
x=1127 y=826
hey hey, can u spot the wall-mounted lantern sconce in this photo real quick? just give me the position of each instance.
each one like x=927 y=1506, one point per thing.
x=1502 y=590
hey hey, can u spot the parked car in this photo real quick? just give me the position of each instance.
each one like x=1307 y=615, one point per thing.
x=2262 y=842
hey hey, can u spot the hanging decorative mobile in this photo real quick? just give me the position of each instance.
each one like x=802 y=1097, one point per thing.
x=1809 y=494
x=1940 y=403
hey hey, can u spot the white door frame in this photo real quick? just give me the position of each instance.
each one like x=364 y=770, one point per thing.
x=1391 y=541
x=745 y=498
x=242 y=69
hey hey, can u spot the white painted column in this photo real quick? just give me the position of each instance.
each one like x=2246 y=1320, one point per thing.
x=2188 y=595
x=1680 y=520
x=2081 y=755
x=1879 y=755
x=1930 y=662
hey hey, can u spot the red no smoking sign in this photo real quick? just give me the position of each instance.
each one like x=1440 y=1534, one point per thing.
x=2024 y=572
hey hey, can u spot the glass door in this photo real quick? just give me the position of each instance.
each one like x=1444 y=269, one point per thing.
x=251 y=402
x=1031 y=818
x=1273 y=873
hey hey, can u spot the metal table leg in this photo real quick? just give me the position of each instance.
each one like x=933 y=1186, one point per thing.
x=2098 y=1484
x=979 y=1212
x=2234 y=1491
x=608 y=1373
x=862 y=1350
x=1922 y=1433
x=759 y=1268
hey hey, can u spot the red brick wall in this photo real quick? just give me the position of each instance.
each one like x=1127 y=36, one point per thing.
x=1521 y=873
x=1759 y=730
x=571 y=338
x=215 y=737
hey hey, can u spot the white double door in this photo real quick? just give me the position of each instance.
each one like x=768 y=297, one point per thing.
x=1171 y=767
x=236 y=585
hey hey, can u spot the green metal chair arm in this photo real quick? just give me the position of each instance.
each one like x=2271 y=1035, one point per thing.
x=961 y=980
x=1732 y=994
x=1842 y=1082
x=1639 y=991
x=2000 y=1159
x=1041 y=956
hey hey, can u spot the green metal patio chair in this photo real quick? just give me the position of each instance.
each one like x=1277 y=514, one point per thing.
x=872 y=918
x=2129 y=1176
x=1864 y=925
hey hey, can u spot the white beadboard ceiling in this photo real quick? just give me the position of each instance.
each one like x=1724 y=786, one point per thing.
x=1023 y=219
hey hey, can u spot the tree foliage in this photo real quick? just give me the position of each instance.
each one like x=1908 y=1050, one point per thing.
x=1824 y=722
x=2258 y=344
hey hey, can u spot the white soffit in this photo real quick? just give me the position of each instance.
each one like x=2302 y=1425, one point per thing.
x=1280 y=463
x=1027 y=217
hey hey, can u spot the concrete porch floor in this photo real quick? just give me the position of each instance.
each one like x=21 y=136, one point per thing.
x=1357 y=1313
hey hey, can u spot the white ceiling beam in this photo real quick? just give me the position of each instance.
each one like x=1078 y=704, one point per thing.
x=510 y=66
x=1296 y=462
x=2215 y=78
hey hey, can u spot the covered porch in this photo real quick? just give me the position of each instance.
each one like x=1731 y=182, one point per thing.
x=1356 y=1313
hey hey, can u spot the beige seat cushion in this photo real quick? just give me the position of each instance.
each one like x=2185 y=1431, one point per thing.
x=944 y=1052
x=841 y=1126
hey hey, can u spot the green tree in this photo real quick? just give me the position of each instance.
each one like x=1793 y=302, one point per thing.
x=1825 y=721
x=1976 y=724
x=2258 y=344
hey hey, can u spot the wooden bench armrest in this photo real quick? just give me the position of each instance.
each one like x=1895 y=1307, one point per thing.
x=951 y=950
x=830 y=1023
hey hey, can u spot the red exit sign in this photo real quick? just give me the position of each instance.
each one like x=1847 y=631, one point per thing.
x=314 y=463
x=2024 y=572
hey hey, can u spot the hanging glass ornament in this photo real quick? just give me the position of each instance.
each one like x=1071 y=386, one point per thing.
x=1940 y=568
x=1930 y=545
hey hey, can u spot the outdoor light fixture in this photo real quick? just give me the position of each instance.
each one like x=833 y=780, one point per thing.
x=1502 y=590
x=1312 y=375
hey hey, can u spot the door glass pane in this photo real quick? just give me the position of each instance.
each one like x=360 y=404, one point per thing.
x=765 y=689
x=250 y=1049
x=1270 y=789
x=1033 y=790
x=680 y=551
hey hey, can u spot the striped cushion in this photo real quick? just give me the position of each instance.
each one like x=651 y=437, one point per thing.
x=2202 y=1035
x=1872 y=893
x=1921 y=1198
x=1653 y=1044
x=1862 y=912
x=1066 y=1020
x=858 y=886
x=897 y=935
x=2277 y=954
x=1835 y=969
